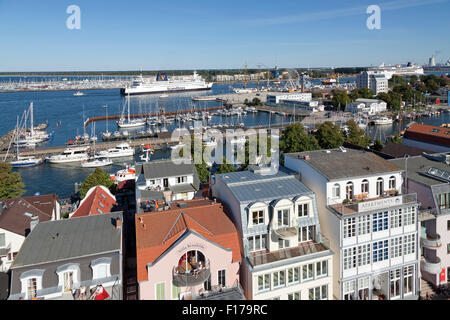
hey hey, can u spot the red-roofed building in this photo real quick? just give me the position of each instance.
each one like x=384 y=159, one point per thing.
x=427 y=137
x=189 y=252
x=98 y=200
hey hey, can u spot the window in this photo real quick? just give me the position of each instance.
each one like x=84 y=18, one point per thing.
x=263 y=282
x=293 y=275
x=336 y=191
x=448 y=248
x=380 y=251
x=100 y=271
x=363 y=255
x=160 y=291
x=364 y=225
x=257 y=243
x=410 y=244
x=408 y=280
x=283 y=243
x=444 y=201
x=349 y=190
x=303 y=210
x=306 y=234
x=294 y=296
x=2 y=240
x=68 y=281
x=395 y=283
x=365 y=186
x=283 y=218
x=363 y=288
x=349 y=290
x=319 y=293
x=182 y=179
x=349 y=227
x=278 y=279
x=322 y=268
x=221 y=278
x=410 y=216
x=379 y=221
x=31 y=288
x=308 y=272
x=392 y=183
x=349 y=258
x=396 y=247
x=258 y=217
x=396 y=218
x=380 y=188
x=176 y=291
x=448 y=224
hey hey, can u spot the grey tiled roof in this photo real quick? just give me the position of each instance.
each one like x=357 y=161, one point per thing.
x=163 y=168
x=70 y=238
x=349 y=164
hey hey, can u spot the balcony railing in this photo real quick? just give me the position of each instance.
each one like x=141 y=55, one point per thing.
x=431 y=265
x=432 y=241
x=191 y=277
x=5 y=250
x=373 y=204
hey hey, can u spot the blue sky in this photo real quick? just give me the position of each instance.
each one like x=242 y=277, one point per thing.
x=204 y=34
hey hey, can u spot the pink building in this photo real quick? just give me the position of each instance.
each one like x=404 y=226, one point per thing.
x=189 y=252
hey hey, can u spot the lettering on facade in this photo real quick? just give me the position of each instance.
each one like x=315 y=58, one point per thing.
x=379 y=204
x=191 y=246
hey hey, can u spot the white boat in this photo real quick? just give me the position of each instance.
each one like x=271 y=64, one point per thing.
x=129 y=173
x=121 y=150
x=164 y=96
x=78 y=94
x=162 y=84
x=26 y=162
x=77 y=154
x=96 y=163
x=382 y=121
x=131 y=123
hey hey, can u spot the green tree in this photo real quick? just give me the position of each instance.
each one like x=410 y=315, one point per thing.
x=97 y=178
x=203 y=172
x=340 y=99
x=11 y=185
x=329 y=135
x=357 y=135
x=378 y=145
x=256 y=102
x=225 y=167
x=396 y=139
x=295 y=139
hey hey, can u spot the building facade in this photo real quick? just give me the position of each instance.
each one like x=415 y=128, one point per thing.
x=378 y=83
x=372 y=226
x=284 y=255
x=366 y=106
x=194 y=253
x=275 y=99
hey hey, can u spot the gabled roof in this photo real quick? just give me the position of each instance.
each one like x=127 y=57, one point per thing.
x=163 y=169
x=98 y=200
x=156 y=232
x=16 y=216
x=70 y=238
x=428 y=133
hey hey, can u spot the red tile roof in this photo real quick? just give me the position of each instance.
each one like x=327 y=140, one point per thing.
x=428 y=133
x=13 y=217
x=157 y=231
x=97 y=200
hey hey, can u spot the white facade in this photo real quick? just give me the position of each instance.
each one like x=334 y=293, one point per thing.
x=366 y=106
x=376 y=82
x=276 y=233
x=375 y=240
x=10 y=244
x=297 y=96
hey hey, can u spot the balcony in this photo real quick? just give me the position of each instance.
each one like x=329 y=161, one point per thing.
x=187 y=278
x=305 y=248
x=432 y=241
x=5 y=250
x=366 y=205
x=431 y=265
x=286 y=231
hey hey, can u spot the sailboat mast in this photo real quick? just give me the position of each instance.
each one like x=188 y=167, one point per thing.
x=31 y=119
x=128 y=108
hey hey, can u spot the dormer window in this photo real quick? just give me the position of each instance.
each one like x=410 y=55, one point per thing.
x=303 y=210
x=336 y=191
x=283 y=218
x=392 y=183
x=258 y=217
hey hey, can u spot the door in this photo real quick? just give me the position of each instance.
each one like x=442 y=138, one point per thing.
x=166 y=182
x=68 y=281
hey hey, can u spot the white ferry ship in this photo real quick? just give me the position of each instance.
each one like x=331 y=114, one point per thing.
x=162 y=84
x=404 y=70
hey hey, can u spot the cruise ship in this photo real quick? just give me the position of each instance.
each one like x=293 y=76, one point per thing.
x=403 y=70
x=162 y=84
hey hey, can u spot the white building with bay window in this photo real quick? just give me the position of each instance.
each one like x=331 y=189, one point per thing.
x=284 y=254
x=371 y=225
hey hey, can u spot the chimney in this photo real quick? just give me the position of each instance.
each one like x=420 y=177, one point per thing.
x=33 y=223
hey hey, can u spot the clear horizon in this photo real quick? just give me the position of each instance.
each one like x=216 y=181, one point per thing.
x=208 y=35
